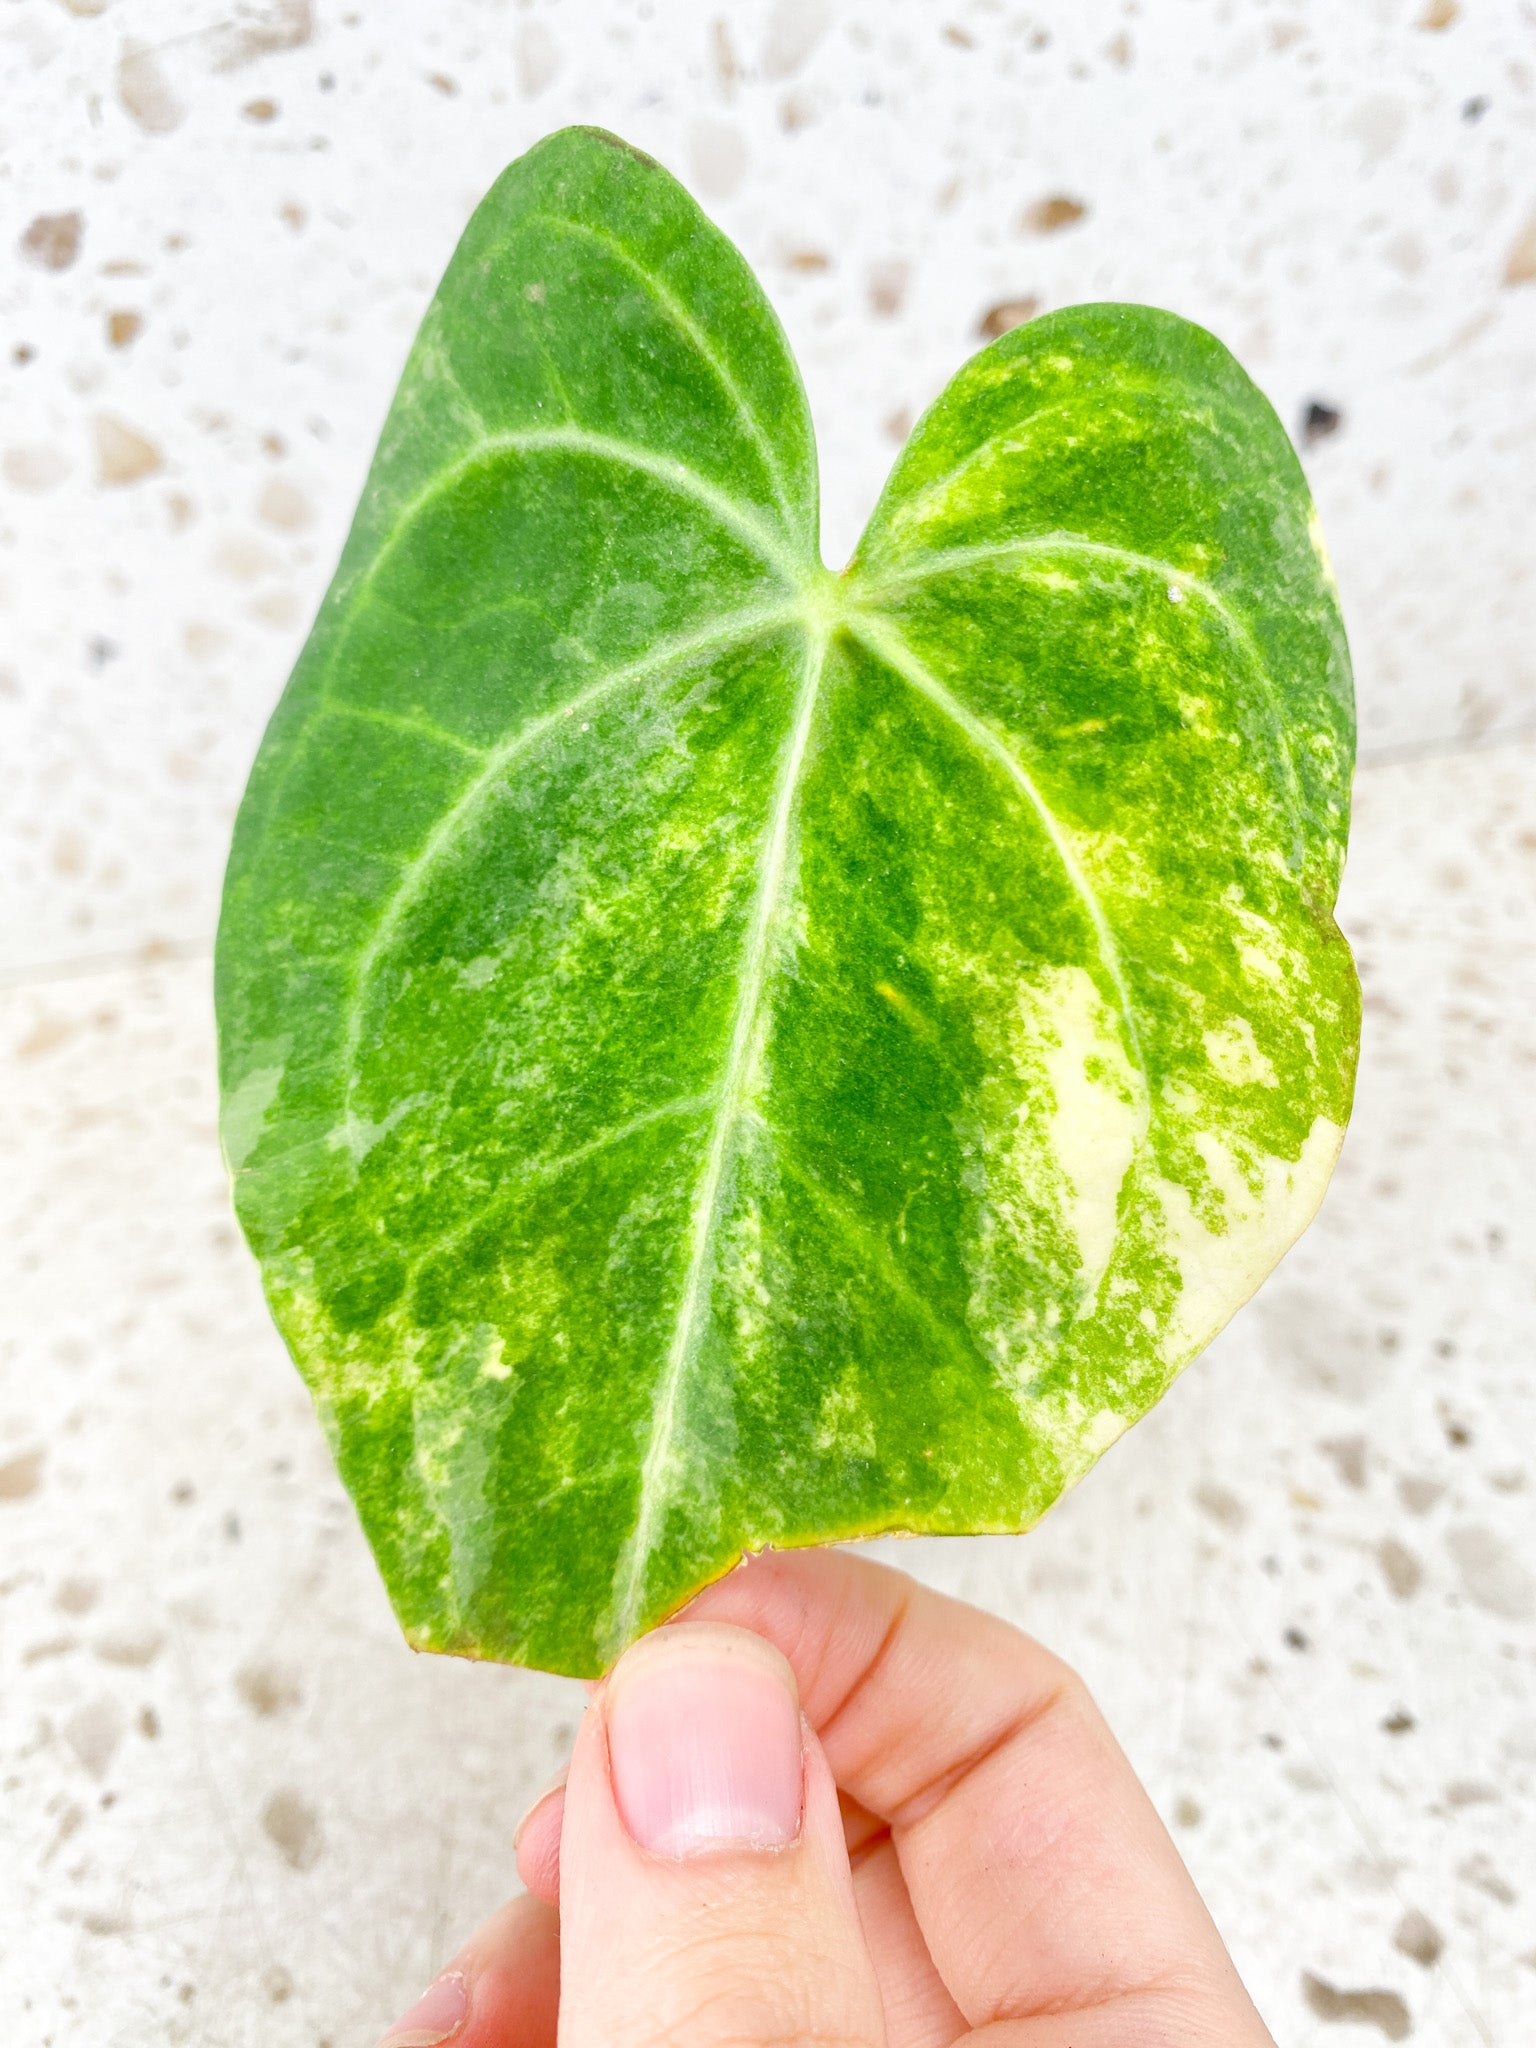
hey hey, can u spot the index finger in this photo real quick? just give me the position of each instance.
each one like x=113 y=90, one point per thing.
x=1039 y=1870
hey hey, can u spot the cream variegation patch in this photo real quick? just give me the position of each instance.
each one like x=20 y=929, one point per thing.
x=357 y=1135
x=1064 y=1148
x=1320 y=548
x=1261 y=965
x=1098 y=1117
x=1237 y=1057
x=1077 y=1434
x=243 y=1116
x=455 y=1452
x=1218 y=1269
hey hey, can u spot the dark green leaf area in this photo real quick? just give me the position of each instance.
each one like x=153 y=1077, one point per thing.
x=497 y=599
x=716 y=1054
x=589 y=295
x=466 y=1526
x=464 y=554
x=926 y=879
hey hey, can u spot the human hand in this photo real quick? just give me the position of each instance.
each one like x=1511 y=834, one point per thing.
x=828 y=1807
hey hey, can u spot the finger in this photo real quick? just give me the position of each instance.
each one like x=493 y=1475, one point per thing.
x=502 y=1990
x=705 y=1894
x=1166 y=2017
x=537 y=1842
x=919 y=2012
x=1039 y=1871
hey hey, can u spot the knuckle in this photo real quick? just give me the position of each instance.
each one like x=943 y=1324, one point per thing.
x=1058 y=1691
x=755 y=1988
x=1070 y=1694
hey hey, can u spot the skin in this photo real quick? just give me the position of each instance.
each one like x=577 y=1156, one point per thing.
x=976 y=1860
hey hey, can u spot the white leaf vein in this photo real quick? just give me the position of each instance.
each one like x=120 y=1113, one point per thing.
x=392 y=721
x=884 y=641
x=688 y=1325
x=679 y=317
x=669 y=470
x=947 y=561
x=539 y=1172
x=458 y=816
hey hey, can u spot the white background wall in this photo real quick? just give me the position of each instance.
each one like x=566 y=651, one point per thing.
x=236 y=1810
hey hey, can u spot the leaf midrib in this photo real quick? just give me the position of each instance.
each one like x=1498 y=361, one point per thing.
x=767 y=913
x=882 y=639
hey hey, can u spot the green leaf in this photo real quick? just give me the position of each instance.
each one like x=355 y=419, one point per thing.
x=717 y=1054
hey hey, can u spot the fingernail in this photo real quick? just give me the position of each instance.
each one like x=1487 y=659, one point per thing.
x=556 y=1784
x=434 y=2018
x=704 y=1742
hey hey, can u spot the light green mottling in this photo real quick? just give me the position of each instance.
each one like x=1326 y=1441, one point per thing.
x=243 y=1110
x=717 y=1054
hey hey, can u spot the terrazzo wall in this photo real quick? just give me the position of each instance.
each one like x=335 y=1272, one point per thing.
x=234 y=1810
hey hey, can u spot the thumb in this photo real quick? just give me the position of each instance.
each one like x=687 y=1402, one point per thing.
x=705 y=1896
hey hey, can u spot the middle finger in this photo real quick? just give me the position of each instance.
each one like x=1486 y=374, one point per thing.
x=919 y=2012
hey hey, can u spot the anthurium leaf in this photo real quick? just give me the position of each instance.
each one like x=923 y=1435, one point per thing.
x=717 y=1054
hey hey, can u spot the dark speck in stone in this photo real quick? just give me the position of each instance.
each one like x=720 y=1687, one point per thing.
x=1347 y=1455
x=1319 y=421
x=1005 y=316
x=1381 y=2009
x=1417 y=1937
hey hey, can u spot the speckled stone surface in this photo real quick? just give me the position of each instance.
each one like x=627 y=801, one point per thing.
x=234 y=1809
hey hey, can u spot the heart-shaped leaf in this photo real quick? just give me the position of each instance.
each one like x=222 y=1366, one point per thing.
x=717 y=1054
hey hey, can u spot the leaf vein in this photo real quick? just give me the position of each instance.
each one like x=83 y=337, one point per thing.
x=455 y=819
x=536 y=1172
x=629 y=1579
x=940 y=562
x=669 y=470
x=680 y=318
x=369 y=714
x=1012 y=438
x=873 y=1247
x=887 y=644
